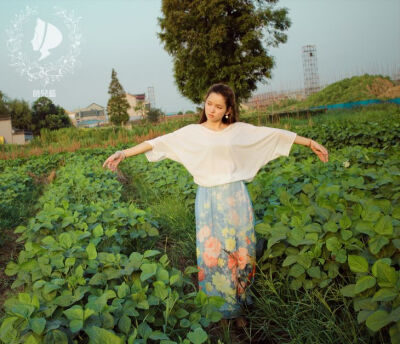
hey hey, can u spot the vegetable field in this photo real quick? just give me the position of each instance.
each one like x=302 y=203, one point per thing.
x=110 y=257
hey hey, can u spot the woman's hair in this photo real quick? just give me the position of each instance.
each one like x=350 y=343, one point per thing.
x=229 y=96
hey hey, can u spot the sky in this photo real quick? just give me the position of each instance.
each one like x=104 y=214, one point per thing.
x=352 y=37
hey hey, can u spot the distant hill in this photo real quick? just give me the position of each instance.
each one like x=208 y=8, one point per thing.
x=352 y=89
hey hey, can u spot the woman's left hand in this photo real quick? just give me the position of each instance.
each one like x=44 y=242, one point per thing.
x=319 y=150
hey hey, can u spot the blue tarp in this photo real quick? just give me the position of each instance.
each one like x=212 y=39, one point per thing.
x=350 y=105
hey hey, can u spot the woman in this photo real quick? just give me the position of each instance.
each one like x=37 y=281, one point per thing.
x=221 y=154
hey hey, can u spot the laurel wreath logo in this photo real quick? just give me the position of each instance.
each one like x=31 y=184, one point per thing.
x=34 y=70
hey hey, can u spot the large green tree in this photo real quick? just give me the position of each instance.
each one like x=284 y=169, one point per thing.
x=117 y=105
x=45 y=114
x=21 y=115
x=221 y=41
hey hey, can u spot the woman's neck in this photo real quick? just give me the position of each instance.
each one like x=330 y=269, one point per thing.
x=215 y=126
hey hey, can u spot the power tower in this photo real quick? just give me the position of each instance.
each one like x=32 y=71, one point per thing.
x=310 y=67
x=151 y=98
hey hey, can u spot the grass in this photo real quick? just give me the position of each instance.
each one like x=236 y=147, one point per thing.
x=176 y=222
x=282 y=315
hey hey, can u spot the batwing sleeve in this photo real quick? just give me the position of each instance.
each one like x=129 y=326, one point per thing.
x=258 y=145
x=166 y=146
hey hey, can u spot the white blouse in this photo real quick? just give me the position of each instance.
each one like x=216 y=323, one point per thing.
x=212 y=157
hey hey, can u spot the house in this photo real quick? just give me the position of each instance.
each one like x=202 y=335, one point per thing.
x=8 y=134
x=90 y=116
x=135 y=101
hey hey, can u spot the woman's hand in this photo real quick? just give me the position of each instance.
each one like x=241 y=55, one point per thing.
x=113 y=160
x=319 y=150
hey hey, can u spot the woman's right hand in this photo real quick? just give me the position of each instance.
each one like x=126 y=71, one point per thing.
x=113 y=160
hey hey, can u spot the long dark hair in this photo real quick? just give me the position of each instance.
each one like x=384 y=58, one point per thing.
x=230 y=102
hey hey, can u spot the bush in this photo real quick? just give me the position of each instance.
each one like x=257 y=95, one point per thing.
x=154 y=115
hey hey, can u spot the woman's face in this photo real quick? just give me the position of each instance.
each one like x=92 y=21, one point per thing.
x=215 y=107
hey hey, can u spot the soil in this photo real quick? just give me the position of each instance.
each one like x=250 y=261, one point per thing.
x=393 y=92
x=379 y=86
x=8 y=252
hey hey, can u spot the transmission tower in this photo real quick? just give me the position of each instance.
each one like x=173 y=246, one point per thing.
x=151 y=98
x=310 y=67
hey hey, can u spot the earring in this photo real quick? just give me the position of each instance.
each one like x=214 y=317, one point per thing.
x=226 y=116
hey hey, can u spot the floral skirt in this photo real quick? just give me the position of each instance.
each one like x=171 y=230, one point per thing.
x=226 y=244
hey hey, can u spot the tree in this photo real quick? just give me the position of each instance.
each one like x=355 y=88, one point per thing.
x=154 y=114
x=47 y=115
x=4 y=111
x=21 y=115
x=221 y=41
x=117 y=105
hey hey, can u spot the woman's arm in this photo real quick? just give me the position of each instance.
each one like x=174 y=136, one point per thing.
x=300 y=140
x=138 y=149
x=315 y=146
x=114 y=159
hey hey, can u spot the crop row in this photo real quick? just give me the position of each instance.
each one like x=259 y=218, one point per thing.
x=89 y=273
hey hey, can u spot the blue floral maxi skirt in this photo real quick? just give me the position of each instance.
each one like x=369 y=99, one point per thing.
x=226 y=244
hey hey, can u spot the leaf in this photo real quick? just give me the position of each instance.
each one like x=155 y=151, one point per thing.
x=76 y=325
x=314 y=272
x=144 y=330
x=197 y=336
x=70 y=261
x=99 y=335
x=148 y=270
x=65 y=240
x=55 y=337
x=24 y=311
x=387 y=275
x=333 y=244
x=296 y=270
x=330 y=226
x=274 y=239
x=364 y=283
x=162 y=275
x=344 y=222
x=357 y=263
x=123 y=290
x=395 y=314
x=124 y=324
x=181 y=313
x=348 y=290
x=289 y=260
x=160 y=290
x=377 y=320
x=394 y=332
x=31 y=340
x=365 y=303
x=375 y=266
x=75 y=312
x=376 y=243
x=346 y=235
x=150 y=253
x=384 y=226
x=37 y=325
x=98 y=231
x=385 y=294
x=158 y=335
x=7 y=331
x=363 y=315
x=190 y=270
x=99 y=278
x=11 y=269
x=91 y=251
